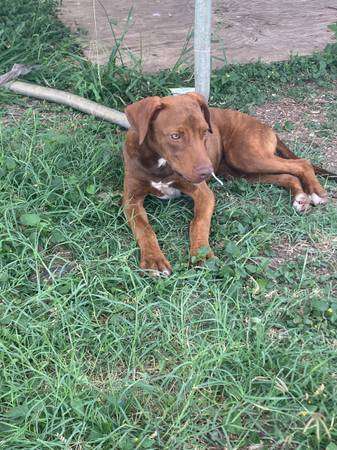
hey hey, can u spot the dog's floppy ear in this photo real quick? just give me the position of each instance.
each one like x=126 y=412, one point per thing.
x=204 y=108
x=141 y=113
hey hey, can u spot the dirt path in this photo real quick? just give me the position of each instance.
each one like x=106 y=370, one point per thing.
x=266 y=29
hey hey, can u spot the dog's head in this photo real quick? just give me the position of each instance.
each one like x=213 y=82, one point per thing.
x=177 y=128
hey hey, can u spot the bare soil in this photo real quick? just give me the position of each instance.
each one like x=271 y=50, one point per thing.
x=307 y=119
x=287 y=251
x=243 y=31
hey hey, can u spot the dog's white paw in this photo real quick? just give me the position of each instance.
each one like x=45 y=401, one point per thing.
x=317 y=200
x=157 y=273
x=302 y=202
x=165 y=273
x=156 y=265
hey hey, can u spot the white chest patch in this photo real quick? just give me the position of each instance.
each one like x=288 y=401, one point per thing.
x=165 y=188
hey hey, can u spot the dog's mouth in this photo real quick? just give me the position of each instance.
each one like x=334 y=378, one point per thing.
x=185 y=178
x=191 y=180
x=196 y=180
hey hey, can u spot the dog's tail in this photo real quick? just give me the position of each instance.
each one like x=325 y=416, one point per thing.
x=284 y=151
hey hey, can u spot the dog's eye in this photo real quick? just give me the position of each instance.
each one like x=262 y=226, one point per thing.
x=175 y=136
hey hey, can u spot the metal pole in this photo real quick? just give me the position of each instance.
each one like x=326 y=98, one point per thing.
x=202 y=46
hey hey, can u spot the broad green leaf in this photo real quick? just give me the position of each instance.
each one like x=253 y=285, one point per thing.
x=91 y=189
x=17 y=412
x=30 y=219
x=232 y=249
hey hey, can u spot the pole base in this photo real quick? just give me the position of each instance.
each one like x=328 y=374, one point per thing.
x=182 y=90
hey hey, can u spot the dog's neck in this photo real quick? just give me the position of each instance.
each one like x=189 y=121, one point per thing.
x=152 y=162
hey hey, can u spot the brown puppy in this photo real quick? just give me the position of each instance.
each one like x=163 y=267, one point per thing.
x=173 y=146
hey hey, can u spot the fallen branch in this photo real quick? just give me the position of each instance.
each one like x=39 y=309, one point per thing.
x=60 y=97
x=16 y=71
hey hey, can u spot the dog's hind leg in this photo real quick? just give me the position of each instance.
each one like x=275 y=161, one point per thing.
x=301 y=200
x=258 y=159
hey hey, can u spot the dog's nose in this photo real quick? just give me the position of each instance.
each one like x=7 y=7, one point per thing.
x=204 y=171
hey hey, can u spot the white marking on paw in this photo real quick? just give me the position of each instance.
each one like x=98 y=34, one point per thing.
x=301 y=202
x=317 y=200
x=157 y=273
x=167 y=191
x=162 y=162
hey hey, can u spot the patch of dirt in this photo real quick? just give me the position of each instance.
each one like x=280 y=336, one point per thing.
x=13 y=113
x=56 y=265
x=242 y=31
x=323 y=251
x=305 y=120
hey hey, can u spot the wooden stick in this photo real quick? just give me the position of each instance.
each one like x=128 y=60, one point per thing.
x=60 y=97
x=16 y=71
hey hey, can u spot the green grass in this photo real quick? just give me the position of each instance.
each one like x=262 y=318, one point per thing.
x=94 y=355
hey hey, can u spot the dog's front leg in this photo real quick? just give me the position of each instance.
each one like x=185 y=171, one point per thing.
x=152 y=258
x=204 y=201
